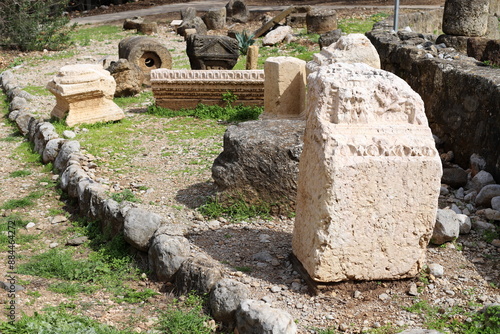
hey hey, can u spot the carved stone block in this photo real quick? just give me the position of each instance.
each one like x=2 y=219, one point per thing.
x=84 y=95
x=369 y=177
x=176 y=89
x=212 y=52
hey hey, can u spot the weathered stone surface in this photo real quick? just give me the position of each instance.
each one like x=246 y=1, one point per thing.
x=481 y=179
x=84 y=94
x=491 y=214
x=145 y=52
x=52 y=149
x=329 y=37
x=91 y=197
x=225 y=299
x=353 y=48
x=188 y=13
x=112 y=217
x=128 y=77
x=272 y=22
x=215 y=18
x=237 y=11
x=492 y=52
x=256 y=317
x=139 y=227
x=68 y=148
x=351 y=219
x=194 y=23
x=70 y=178
x=277 y=35
x=252 y=57
x=147 y=28
x=197 y=274
x=464 y=223
x=486 y=194
x=447 y=227
x=212 y=52
x=260 y=162
x=492 y=32
x=465 y=17
x=455 y=177
x=132 y=23
x=495 y=203
x=321 y=20
x=166 y=255
x=176 y=89
x=459 y=43
x=458 y=95
x=18 y=103
x=284 y=88
x=22 y=122
x=45 y=132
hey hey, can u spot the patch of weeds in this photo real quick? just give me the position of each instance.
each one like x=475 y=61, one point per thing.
x=490 y=235
x=234 y=208
x=125 y=195
x=185 y=317
x=325 y=331
x=244 y=269
x=126 y=102
x=386 y=329
x=132 y=296
x=35 y=294
x=37 y=90
x=490 y=64
x=85 y=35
x=57 y=322
x=72 y=288
x=12 y=139
x=22 y=202
x=361 y=26
x=20 y=173
x=25 y=153
x=229 y=113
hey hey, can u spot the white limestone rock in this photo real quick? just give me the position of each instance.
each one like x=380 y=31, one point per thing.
x=277 y=35
x=368 y=157
x=352 y=48
x=447 y=227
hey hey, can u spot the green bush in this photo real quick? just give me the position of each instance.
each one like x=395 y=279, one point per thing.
x=34 y=25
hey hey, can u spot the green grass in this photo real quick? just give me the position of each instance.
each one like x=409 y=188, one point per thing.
x=125 y=195
x=22 y=202
x=37 y=90
x=20 y=173
x=127 y=102
x=350 y=26
x=25 y=153
x=57 y=322
x=235 y=208
x=85 y=35
x=19 y=223
x=185 y=317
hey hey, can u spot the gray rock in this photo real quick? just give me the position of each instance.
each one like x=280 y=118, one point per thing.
x=67 y=148
x=480 y=225
x=112 y=217
x=13 y=115
x=44 y=133
x=128 y=77
x=133 y=23
x=225 y=298
x=166 y=255
x=328 y=38
x=477 y=163
x=139 y=227
x=455 y=177
x=188 y=13
x=277 y=35
x=263 y=256
x=470 y=196
x=256 y=317
x=456 y=209
x=22 y=122
x=51 y=149
x=70 y=178
x=215 y=18
x=18 y=103
x=11 y=287
x=237 y=11
x=194 y=23
x=69 y=134
x=491 y=214
x=495 y=203
x=197 y=274
x=91 y=199
x=447 y=227
x=486 y=194
x=260 y=162
x=481 y=179
x=465 y=223
x=77 y=241
x=435 y=269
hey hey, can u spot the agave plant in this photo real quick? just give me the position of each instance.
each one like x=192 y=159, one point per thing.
x=244 y=41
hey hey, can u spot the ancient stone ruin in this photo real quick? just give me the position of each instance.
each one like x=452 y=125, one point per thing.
x=212 y=52
x=84 y=95
x=369 y=177
x=146 y=53
x=176 y=89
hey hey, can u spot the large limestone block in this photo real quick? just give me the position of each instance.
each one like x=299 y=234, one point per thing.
x=369 y=177
x=284 y=87
x=353 y=48
x=466 y=17
x=84 y=95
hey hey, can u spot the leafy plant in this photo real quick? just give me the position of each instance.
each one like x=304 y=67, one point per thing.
x=234 y=208
x=20 y=173
x=34 y=25
x=245 y=40
x=125 y=195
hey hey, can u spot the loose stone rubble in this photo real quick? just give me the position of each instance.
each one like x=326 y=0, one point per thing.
x=84 y=94
x=352 y=219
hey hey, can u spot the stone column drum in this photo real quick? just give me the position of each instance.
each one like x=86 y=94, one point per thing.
x=369 y=177
x=84 y=95
x=284 y=88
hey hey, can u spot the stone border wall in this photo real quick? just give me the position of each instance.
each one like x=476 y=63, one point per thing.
x=461 y=95
x=157 y=238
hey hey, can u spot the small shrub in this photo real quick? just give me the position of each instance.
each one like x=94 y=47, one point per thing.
x=244 y=41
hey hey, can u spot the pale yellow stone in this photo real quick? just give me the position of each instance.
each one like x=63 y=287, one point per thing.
x=84 y=95
x=284 y=88
x=369 y=177
x=352 y=48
